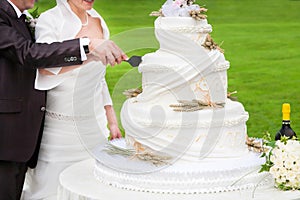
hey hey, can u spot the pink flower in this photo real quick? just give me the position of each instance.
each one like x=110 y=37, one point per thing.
x=179 y=3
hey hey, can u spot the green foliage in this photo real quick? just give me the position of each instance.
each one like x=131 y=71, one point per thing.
x=35 y=12
x=283 y=187
x=266 y=167
x=267 y=155
x=260 y=38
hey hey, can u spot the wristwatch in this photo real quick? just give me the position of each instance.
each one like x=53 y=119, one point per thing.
x=85 y=43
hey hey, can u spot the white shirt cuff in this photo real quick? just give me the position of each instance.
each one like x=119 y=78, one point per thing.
x=54 y=70
x=83 y=42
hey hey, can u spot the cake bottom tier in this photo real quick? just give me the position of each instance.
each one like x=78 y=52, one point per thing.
x=180 y=177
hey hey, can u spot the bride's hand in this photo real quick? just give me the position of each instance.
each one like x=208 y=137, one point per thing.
x=115 y=132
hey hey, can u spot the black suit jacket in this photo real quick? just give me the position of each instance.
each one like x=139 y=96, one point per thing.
x=21 y=106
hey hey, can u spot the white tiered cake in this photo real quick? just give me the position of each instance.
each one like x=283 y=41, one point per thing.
x=184 y=116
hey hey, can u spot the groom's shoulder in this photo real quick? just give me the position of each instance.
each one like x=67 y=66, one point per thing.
x=6 y=10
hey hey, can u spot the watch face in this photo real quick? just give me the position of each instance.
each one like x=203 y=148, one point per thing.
x=86 y=49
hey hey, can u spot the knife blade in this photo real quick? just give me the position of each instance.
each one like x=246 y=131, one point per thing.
x=134 y=61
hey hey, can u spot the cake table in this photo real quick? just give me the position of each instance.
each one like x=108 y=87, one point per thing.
x=78 y=183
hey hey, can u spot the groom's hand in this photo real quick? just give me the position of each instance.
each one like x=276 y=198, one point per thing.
x=106 y=51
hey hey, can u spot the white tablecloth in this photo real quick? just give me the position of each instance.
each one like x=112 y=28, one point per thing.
x=78 y=183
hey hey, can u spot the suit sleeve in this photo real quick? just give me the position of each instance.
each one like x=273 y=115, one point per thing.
x=28 y=54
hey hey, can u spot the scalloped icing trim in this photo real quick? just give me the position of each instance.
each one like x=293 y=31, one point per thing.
x=192 y=29
x=215 y=186
x=199 y=123
x=223 y=66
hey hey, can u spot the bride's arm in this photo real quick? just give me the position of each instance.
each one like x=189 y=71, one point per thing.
x=110 y=112
x=112 y=122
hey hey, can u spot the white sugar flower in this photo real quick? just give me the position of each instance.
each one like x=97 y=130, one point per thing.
x=289 y=163
x=291 y=146
x=280 y=145
x=296 y=167
x=278 y=161
x=194 y=7
x=276 y=151
x=170 y=10
x=280 y=179
x=290 y=175
x=283 y=155
x=275 y=172
x=184 y=12
x=282 y=171
x=178 y=8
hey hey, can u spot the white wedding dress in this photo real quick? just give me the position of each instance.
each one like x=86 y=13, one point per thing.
x=75 y=119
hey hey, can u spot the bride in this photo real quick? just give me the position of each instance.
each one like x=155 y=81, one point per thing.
x=79 y=106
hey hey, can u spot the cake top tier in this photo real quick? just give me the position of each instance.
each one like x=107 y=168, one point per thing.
x=183 y=24
x=181 y=8
x=182 y=16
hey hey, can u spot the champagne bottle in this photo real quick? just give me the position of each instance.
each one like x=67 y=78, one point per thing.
x=286 y=129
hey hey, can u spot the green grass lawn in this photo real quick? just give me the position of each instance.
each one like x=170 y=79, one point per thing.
x=261 y=39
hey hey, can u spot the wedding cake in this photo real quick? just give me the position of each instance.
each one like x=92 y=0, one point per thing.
x=183 y=134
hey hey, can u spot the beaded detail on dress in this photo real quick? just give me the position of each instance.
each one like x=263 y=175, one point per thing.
x=62 y=117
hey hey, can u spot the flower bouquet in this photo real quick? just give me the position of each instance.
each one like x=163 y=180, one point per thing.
x=283 y=162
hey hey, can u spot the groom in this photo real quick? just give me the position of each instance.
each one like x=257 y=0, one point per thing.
x=22 y=108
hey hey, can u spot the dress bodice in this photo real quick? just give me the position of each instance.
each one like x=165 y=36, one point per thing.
x=82 y=87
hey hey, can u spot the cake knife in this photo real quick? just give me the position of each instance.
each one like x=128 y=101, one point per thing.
x=134 y=61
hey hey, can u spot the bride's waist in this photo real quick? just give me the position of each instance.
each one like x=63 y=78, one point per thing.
x=72 y=116
x=67 y=116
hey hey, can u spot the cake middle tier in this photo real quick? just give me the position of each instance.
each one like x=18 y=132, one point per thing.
x=171 y=77
x=192 y=136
